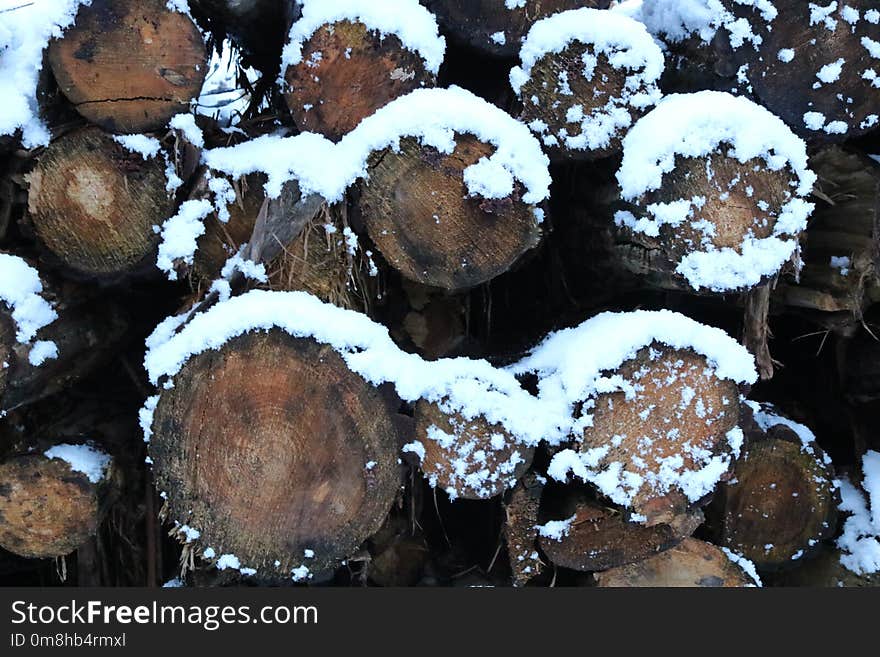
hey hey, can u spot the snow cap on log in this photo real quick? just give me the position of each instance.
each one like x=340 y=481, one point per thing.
x=433 y=116
x=25 y=31
x=585 y=76
x=860 y=540
x=722 y=182
x=347 y=58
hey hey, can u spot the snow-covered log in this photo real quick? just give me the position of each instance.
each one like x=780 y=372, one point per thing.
x=94 y=200
x=815 y=65
x=691 y=563
x=782 y=499
x=468 y=458
x=130 y=65
x=47 y=342
x=497 y=27
x=297 y=466
x=718 y=185
x=585 y=77
x=345 y=60
x=52 y=502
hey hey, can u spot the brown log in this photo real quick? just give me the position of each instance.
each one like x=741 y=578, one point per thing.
x=436 y=322
x=47 y=509
x=544 y=100
x=94 y=204
x=691 y=563
x=347 y=72
x=86 y=337
x=130 y=65
x=299 y=453
x=474 y=22
x=657 y=412
x=733 y=212
x=417 y=211
x=781 y=501
x=600 y=538
x=825 y=571
x=845 y=224
x=481 y=461
x=790 y=89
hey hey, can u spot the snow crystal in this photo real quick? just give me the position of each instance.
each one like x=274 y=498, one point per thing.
x=147 y=146
x=88 y=459
x=414 y=25
x=431 y=115
x=627 y=46
x=20 y=289
x=25 y=30
x=745 y=564
x=697 y=125
x=186 y=123
x=860 y=540
x=179 y=235
x=555 y=529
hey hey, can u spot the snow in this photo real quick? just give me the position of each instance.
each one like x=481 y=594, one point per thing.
x=25 y=30
x=745 y=564
x=88 y=459
x=568 y=368
x=414 y=25
x=186 y=123
x=831 y=72
x=677 y=20
x=556 y=529
x=174 y=583
x=228 y=561
x=841 y=263
x=623 y=41
x=697 y=125
x=221 y=97
x=147 y=146
x=860 y=539
x=785 y=55
x=20 y=289
x=766 y=418
x=179 y=235
x=432 y=116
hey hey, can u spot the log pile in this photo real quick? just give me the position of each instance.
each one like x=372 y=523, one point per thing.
x=440 y=293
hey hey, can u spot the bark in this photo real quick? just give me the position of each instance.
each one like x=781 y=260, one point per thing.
x=473 y=464
x=299 y=453
x=47 y=509
x=781 y=501
x=520 y=533
x=417 y=211
x=658 y=412
x=791 y=89
x=348 y=72
x=474 y=22
x=93 y=204
x=691 y=563
x=129 y=65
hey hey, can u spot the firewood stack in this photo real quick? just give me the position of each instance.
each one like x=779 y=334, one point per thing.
x=388 y=292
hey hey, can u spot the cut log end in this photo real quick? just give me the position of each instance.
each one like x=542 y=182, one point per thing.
x=677 y=408
x=601 y=538
x=691 y=563
x=348 y=72
x=780 y=503
x=94 y=203
x=47 y=509
x=129 y=66
x=418 y=213
x=298 y=458
x=557 y=86
x=495 y=28
x=471 y=459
